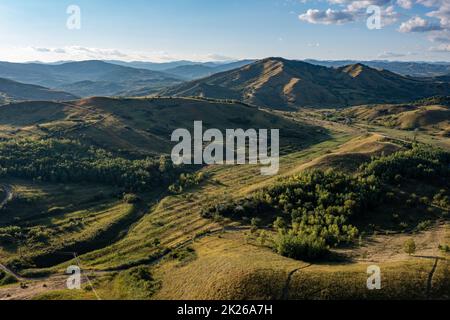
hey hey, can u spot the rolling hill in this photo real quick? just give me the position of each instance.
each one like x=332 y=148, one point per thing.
x=281 y=84
x=88 y=78
x=139 y=125
x=432 y=115
x=11 y=91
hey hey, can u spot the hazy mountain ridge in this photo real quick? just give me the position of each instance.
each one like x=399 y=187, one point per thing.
x=67 y=75
x=279 y=83
x=11 y=91
x=197 y=71
x=414 y=69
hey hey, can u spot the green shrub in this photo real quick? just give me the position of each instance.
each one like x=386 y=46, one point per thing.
x=6 y=279
x=410 y=246
x=137 y=283
x=131 y=198
x=308 y=248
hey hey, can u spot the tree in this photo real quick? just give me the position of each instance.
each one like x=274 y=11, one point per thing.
x=255 y=222
x=279 y=224
x=410 y=246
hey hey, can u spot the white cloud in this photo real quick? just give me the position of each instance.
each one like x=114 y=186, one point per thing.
x=441 y=36
x=441 y=48
x=418 y=24
x=392 y=55
x=442 y=14
x=350 y=11
x=431 y=3
x=405 y=4
x=388 y=55
x=328 y=16
x=78 y=53
x=362 y=5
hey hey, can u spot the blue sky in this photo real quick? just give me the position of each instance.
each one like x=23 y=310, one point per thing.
x=165 y=30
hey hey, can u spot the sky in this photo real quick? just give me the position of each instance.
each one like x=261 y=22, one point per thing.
x=221 y=30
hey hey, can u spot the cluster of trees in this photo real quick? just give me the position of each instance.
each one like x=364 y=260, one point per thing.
x=186 y=181
x=442 y=199
x=63 y=161
x=15 y=235
x=9 y=235
x=420 y=163
x=313 y=210
x=432 y=101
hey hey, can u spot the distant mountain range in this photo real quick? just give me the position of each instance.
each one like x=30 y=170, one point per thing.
x=414 y=69
x=12 y=91
x=273 y=82
x=187 y=69
x=194 y=70
x=89 y=78
x=279 y=83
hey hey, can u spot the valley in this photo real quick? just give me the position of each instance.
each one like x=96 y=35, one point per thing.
x=363 y=172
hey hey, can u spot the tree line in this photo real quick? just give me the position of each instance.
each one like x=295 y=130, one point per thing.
x=312 y=211
x=63 y=161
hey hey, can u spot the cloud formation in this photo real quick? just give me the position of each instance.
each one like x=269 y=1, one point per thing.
x=405 y=4
x=327 y=17
x=89 y=53
x=350 y=11
x=417 y=24
x=435 y=23
x=389 y=55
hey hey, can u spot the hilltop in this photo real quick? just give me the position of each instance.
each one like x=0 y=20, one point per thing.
x=431 y=115
x=138 y=125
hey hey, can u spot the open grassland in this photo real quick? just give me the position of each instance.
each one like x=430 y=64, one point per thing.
x=176 y=219
x=34 y=200
x=229 y=267
x=164 y=249
x=141 y=126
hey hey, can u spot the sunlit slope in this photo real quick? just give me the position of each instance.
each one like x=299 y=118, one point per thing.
x=280 y=84
x=140 y=125
x=430 y=115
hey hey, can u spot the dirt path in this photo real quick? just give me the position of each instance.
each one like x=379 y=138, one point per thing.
x=285 y=292
x=430 y=278
x=8 y=195
x=389 y=247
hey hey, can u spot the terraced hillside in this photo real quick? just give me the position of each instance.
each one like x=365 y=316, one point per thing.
x=160 y=244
